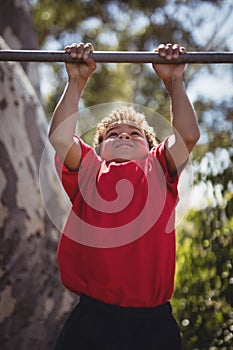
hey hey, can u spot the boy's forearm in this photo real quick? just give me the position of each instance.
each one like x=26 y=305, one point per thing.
x=65 y=115
x=183 y=117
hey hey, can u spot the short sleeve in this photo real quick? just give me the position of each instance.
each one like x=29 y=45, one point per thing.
x=158 y=154
x=70 y=178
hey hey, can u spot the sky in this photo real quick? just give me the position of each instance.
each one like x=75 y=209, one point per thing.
x=219 y=85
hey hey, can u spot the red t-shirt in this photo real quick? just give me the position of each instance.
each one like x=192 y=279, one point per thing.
x=118 y=244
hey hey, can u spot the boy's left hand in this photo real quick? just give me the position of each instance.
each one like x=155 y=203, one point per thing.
x=169 y=71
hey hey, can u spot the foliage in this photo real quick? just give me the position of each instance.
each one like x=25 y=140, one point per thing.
x=203 y=299
x=121 y=25
x=111 y=25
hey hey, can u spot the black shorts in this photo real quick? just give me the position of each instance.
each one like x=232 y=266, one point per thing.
x=94 y=325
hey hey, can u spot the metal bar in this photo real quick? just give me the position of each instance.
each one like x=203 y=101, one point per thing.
x=115 y=57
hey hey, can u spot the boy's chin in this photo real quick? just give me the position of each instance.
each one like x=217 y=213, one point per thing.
x=124 y=159
x=124 y=156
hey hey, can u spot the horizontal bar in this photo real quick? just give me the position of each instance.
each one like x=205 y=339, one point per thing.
x=115 y=57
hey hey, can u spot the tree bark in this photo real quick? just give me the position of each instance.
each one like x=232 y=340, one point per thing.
x=33 y=303
x=16 y=28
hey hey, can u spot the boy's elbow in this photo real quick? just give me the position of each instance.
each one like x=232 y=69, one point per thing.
x=57 y=139
x=192 y=139
x=53 y=139
x=52 y=136
x=196 y=135
x=59 y=144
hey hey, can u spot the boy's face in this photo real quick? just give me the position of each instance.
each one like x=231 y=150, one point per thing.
x=123 y=142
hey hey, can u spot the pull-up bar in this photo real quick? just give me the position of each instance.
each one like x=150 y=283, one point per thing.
x=115 y=57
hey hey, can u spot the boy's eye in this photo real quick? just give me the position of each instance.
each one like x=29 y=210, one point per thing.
x=113 y=134
x=135 y=133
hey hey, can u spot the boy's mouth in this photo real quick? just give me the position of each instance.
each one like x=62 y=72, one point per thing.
x=124 y=144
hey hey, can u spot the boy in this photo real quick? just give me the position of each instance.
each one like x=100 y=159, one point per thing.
x=117 y=250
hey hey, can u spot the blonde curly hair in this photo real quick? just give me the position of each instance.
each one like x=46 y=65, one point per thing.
x=126 y=115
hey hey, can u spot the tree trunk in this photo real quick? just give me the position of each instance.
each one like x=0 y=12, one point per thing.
x=33 y=303
x=16 y=28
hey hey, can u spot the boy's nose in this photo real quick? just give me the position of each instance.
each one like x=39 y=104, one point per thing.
x=124 y=135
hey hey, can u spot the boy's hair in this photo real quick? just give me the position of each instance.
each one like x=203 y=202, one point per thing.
x=126 y=115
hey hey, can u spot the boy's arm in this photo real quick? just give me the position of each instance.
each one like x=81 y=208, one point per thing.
x=64 y=119
x=185 y=128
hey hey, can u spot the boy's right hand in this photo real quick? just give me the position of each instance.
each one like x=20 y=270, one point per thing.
x=80 y=70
